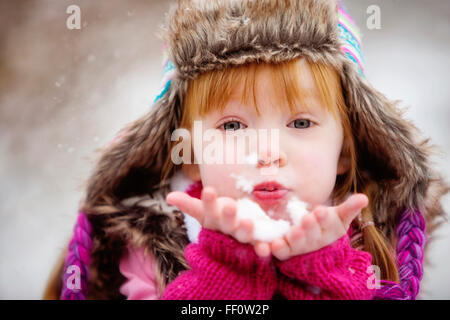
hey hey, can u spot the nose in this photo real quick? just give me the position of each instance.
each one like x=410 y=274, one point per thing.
x=267 y=158
x=270 y=153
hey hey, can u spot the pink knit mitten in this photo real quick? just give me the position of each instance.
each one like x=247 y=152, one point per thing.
x=223 y=269
x=336 y=271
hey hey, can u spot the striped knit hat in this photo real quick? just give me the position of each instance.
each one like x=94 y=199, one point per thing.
x=350 y=37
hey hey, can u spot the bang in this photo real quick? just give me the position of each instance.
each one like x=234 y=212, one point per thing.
x=212 y=90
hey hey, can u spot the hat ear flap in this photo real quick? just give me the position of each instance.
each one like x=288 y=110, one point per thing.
x=386 y=150
x=132 y=164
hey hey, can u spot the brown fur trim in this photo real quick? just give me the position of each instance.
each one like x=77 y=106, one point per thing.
x=391 y=154
x=142 y=222
x=132 y=164
x=213 y=34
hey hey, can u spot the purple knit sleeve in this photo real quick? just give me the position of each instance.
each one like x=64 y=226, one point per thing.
x=411 y=235
x=336 y=271
x=223 y=269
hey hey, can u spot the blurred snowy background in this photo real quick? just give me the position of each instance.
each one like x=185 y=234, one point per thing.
x=64 y=93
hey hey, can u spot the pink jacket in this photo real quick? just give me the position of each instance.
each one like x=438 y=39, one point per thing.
x=138 y=267
x=223 y=268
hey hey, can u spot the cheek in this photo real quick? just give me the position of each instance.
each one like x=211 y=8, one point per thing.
x=219 y=176
x=316 y=171
x=318 y=165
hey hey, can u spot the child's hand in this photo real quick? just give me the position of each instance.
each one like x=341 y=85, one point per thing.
x=319 y=228
x=218 y=213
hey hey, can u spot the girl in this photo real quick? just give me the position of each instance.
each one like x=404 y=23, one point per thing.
x=343 y=148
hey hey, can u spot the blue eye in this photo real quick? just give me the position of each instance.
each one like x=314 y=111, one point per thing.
x=301 y=123
x=231 y=126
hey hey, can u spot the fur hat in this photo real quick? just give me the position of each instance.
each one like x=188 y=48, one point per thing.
x=205 y=35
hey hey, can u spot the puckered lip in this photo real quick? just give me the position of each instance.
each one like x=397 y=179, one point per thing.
x=269 y=186
x=270 y=193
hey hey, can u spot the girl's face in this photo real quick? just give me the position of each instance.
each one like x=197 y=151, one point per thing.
x=305 y=159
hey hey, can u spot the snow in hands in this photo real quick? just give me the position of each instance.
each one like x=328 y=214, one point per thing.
x=265 y=228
